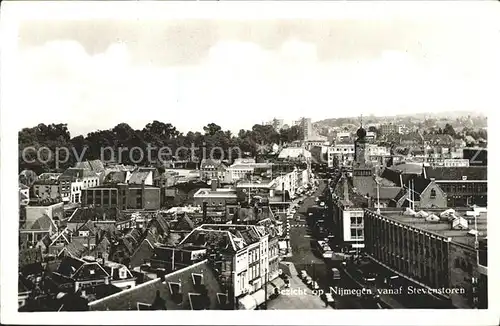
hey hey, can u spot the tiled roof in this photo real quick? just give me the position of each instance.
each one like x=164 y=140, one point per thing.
x=95 y=214
x=103 y=246
x=240 y=235
x=219 y=239
x=88 y=226
x=164 y=294
x=69 y=265
x=44 y=223
x=75 y=249
x=184 y=222
x=407 y=168
x=439 y=139
x=76 y=173
x=23 y=187
x=162 y=222
x=138 y=177
x=116 y=177
x=294 y=152
x=457 y=173
x=94 y=165
x=144 y=251
x=29 y=256
x=389 y=192
x=210 y=163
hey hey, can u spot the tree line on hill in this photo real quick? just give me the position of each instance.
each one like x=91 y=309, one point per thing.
x=40 y=145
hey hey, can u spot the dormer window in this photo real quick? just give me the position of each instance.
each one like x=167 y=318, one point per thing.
x=196 y=301
x=176 y=292
x=143 y=306
x=197 y=279
x=433 y=193
x=123 y=273
x=222 y=299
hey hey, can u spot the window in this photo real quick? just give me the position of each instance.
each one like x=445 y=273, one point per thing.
x=353 y=220
x=143 y=306
x=176 y=292
x=197 y=279
x=353 y=233
x=196 y=301
x=123 y=273
x=433 y=193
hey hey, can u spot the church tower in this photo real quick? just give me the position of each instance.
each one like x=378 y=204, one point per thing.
x=360 y=146
x=362 y=170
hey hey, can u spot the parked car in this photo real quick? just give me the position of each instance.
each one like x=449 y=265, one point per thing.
x=328 y=297
x=335 y=274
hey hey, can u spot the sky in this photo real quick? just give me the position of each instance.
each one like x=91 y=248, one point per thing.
x=96 y=73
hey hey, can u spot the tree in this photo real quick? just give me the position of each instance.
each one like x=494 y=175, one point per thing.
x=211 y=129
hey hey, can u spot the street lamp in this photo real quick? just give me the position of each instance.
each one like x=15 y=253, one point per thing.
x=378 y=194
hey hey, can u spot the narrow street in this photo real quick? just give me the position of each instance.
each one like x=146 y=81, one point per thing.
x=305 y=257
x=297 y=296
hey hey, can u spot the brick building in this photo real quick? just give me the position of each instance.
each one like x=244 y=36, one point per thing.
x=463 y=186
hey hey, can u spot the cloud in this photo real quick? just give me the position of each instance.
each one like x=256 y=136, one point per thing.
x=237 y=85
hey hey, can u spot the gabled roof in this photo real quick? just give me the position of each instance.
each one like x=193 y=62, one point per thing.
x=162 y=222
x=138 y=177
x=223 y=236
x=75 y=249
x=116 y=177
x=84 y=214
x=210 y=163
x=30 y=256
x=215 y=238
x=44 y=223
x=88 y=226
x=457 y=173
x=184 y=222
x=94 y=165
x=162 y=293
x=389 y=192
x=77 y=173
x=407 y=168
x=144 y=251
x=23 y=186
x=69 y=265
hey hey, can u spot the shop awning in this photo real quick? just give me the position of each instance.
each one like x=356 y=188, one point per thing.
x=259 y=296
x=247 y=303
x=278 y=283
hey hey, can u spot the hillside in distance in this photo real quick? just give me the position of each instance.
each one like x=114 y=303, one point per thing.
x=447 y=117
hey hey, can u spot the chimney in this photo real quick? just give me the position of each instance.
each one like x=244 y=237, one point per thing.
x=143 y=191
x=213 y=183
x=346 y=190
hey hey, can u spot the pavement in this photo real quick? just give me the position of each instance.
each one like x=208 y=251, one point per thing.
x=297 y=296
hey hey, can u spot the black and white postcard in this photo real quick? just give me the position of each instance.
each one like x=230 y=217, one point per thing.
x=324 y=161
